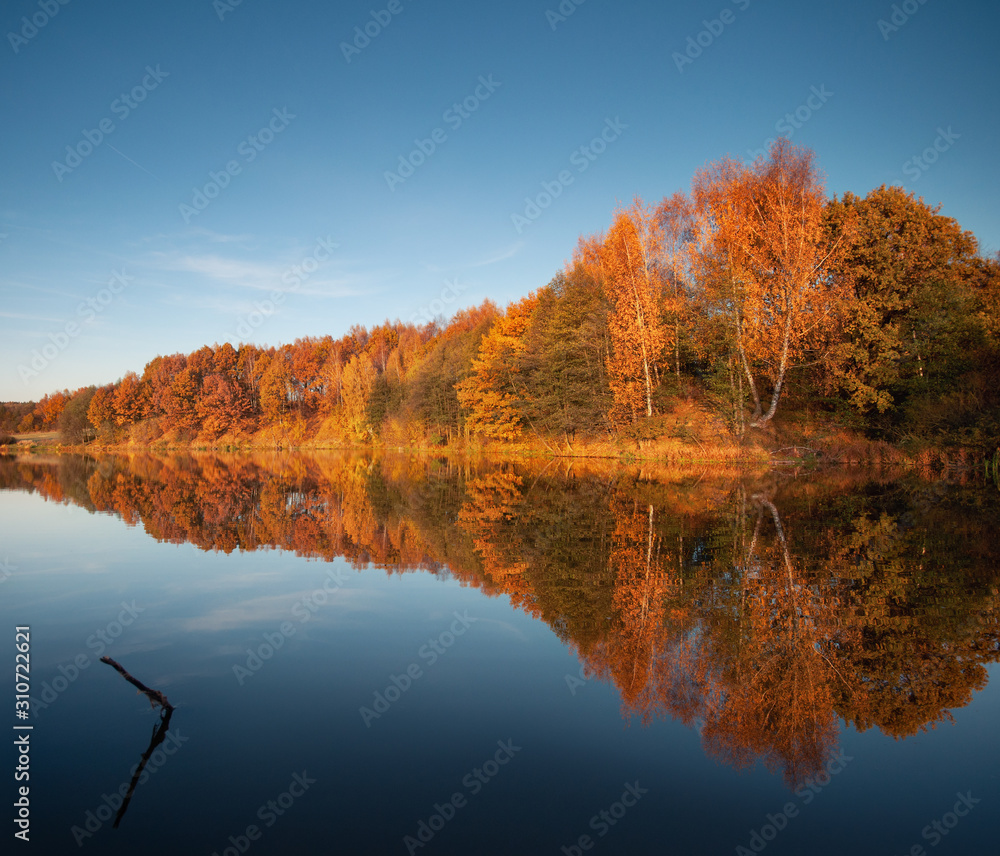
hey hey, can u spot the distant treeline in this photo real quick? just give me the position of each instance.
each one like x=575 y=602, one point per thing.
x=753 y=295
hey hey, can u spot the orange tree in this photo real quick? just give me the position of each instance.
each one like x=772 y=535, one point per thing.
x=763 y=264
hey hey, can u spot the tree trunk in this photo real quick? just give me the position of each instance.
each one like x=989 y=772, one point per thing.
x=782 y=368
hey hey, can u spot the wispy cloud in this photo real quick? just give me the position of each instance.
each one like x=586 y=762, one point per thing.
x=510 y=252
x=232 y=271
x=271 y=609
x=495 y=258
x=9 y=285
x=24 y=317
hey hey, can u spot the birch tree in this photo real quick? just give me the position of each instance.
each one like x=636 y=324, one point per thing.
x=766 y=263
x=629 y=256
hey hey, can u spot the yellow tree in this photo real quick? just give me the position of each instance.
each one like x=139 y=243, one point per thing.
x=274 y=389
x=490 y=394
x=358 y=381
x=675 y=215
x=629 y=261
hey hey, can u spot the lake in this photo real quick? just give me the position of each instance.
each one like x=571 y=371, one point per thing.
x=418 y=655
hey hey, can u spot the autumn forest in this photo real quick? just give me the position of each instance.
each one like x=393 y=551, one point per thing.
x=750 y=305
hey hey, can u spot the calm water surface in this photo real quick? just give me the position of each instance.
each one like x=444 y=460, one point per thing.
x=422 y=656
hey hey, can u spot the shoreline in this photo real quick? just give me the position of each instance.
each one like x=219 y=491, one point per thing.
x=748 y=457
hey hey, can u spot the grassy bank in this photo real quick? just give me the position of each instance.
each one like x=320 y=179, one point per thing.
x=686 y=437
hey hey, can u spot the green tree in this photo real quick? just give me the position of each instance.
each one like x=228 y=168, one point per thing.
x=74 y=427
x=902 y=258
x=564 y=364
x=447 y=361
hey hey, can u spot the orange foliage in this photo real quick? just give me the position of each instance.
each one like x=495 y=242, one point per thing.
x=630 y=263
x=48 y=410
x=763 y=261
x=489 y=394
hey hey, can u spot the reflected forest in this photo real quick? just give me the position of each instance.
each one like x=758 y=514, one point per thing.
x=765 y=614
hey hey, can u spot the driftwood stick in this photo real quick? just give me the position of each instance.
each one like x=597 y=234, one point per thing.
x=155 y=696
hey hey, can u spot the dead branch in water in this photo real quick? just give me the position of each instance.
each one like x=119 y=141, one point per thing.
x=155 y=696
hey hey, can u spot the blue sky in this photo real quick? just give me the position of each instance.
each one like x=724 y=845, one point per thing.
x=168 y=169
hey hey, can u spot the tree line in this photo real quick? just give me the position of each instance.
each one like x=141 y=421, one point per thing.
x=752 y=295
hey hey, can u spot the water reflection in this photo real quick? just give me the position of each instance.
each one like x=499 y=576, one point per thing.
x=158 y=736
x=766 y=615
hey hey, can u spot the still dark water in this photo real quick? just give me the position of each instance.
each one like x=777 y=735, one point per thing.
x=421 y=656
